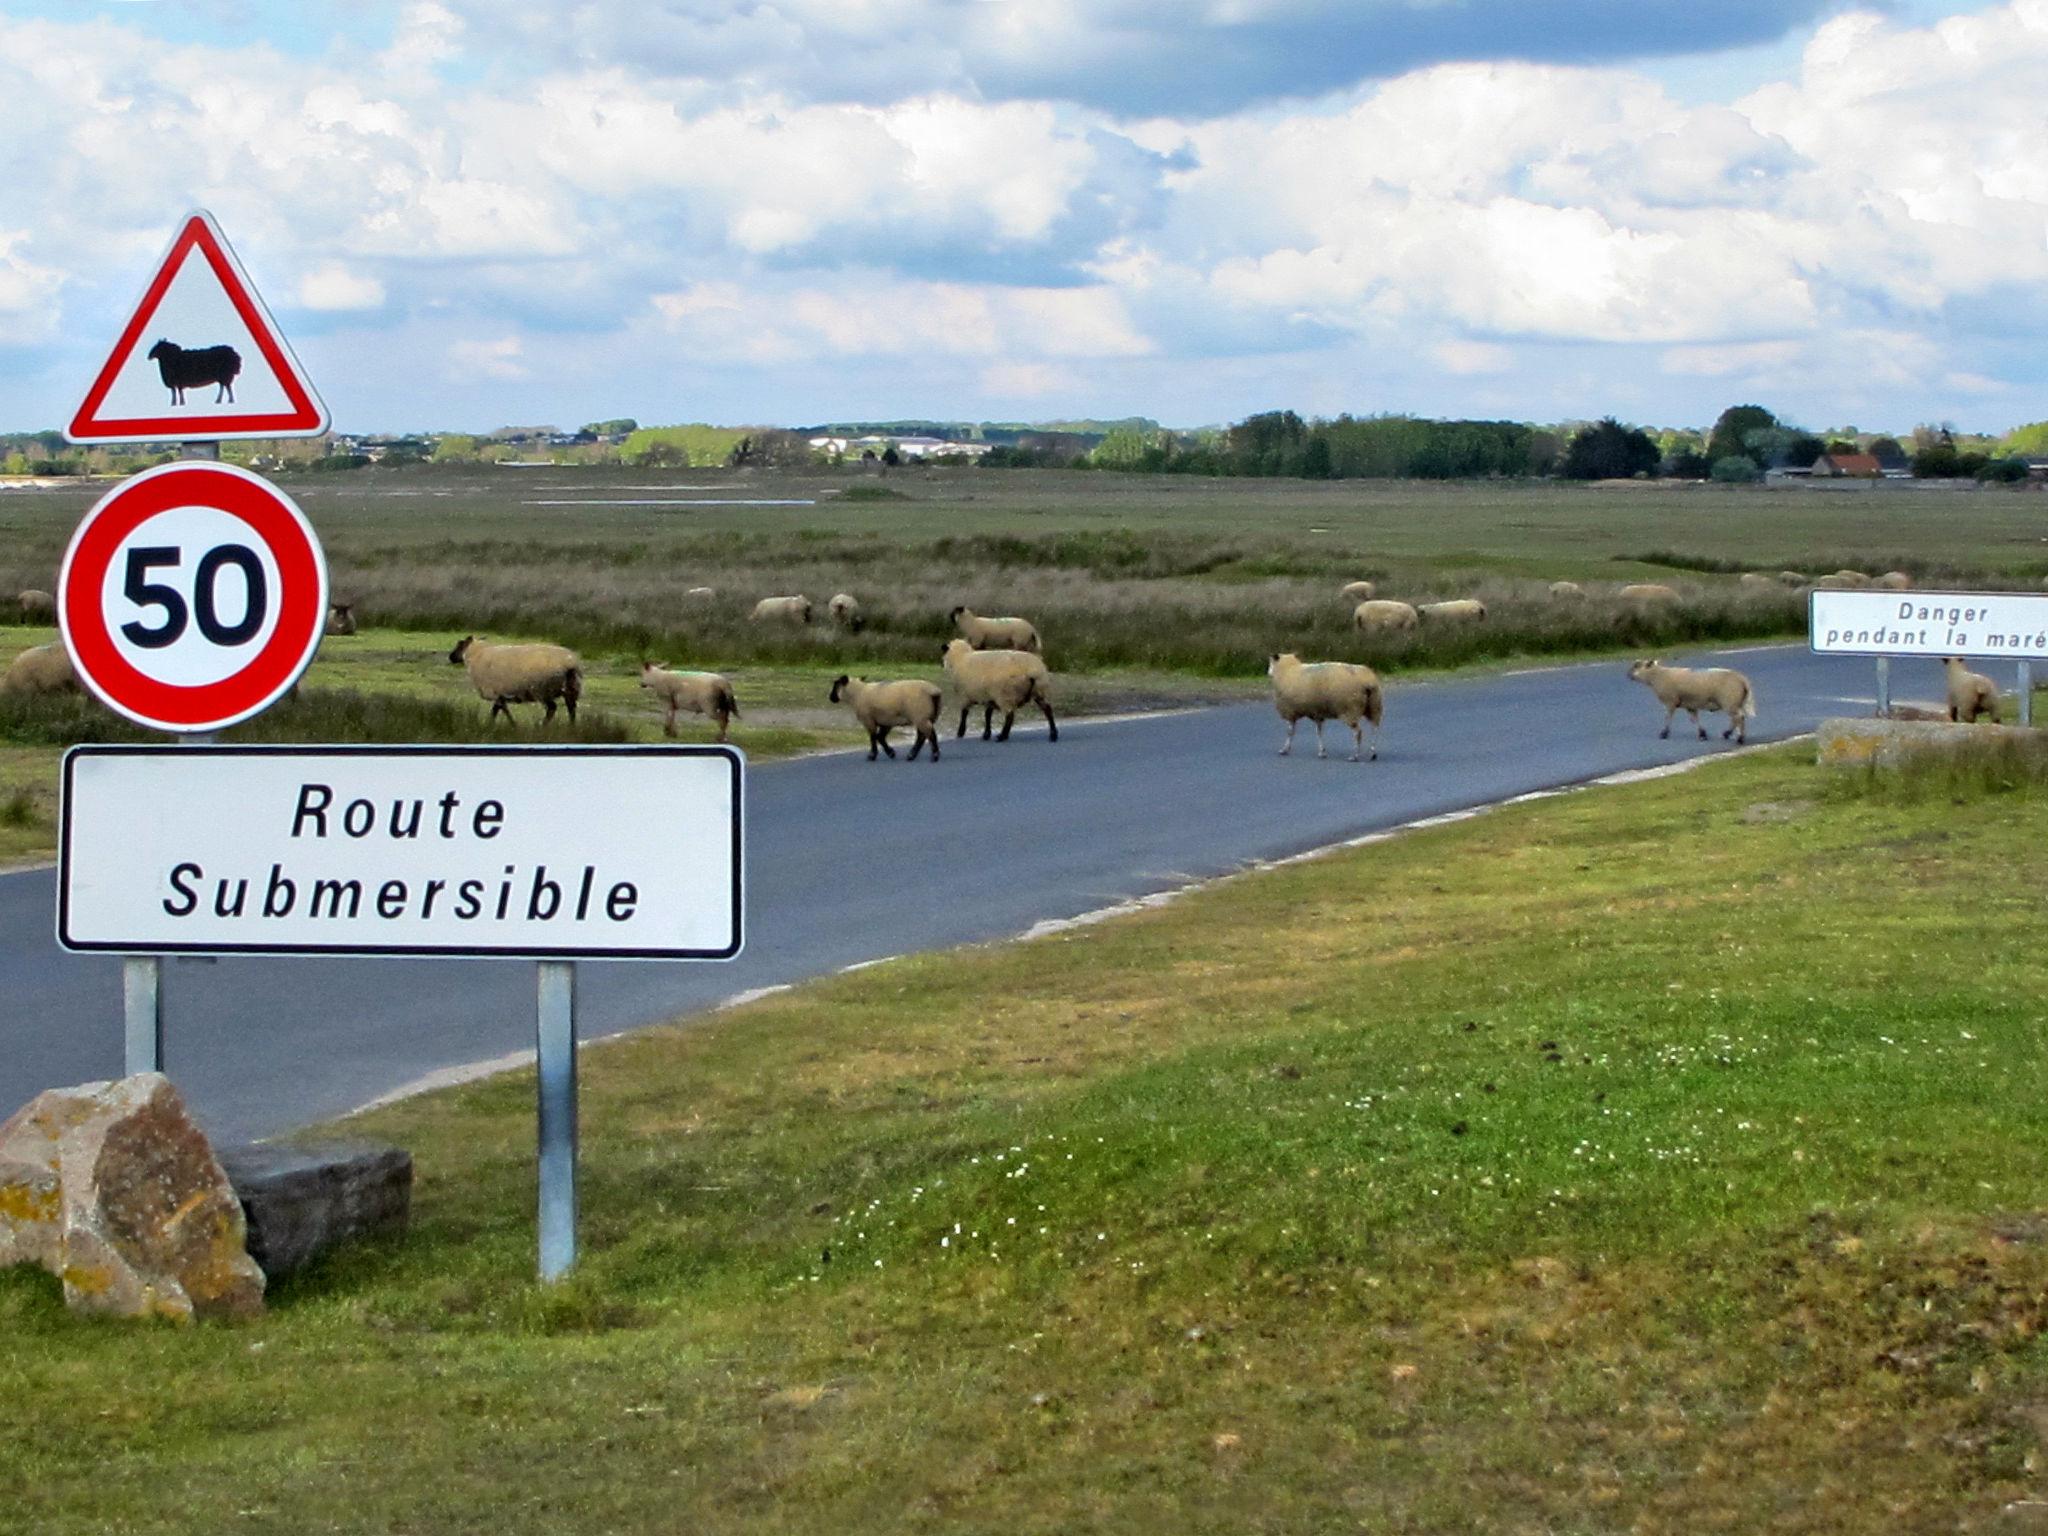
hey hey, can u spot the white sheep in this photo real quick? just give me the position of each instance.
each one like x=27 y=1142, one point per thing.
x=1844 y=581
x=1712 y=689
x=701 y=693
x=1382 y=614
x=341 y=618
x=1566 y=589
x=783 y=610
x=701 y=594
x=1326 y=690
x=40 y=669
x=881 y=707
x=845 y=611
x=1647 y=592
x=1005 y=680
x=1459 y=610
x=1895 y=581
x=36 y=604
x=1971 y=695
x=521 y=674
x=1792 y=578
x=995 y=634
x=1357 y=591
x=1758 y=579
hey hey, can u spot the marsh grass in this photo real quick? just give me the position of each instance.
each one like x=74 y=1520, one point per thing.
x=1972 y=770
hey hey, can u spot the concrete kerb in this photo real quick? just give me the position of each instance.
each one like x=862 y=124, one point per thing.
x=475 y=1071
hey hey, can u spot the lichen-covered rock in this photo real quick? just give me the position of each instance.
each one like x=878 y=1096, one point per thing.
x=1848 y=743
x=114 y=1189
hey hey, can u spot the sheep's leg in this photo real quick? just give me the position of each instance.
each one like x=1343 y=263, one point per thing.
x=988 y=719
x=1670 y=715
x=882 y=736
x=1357 y=739
x=724 y=720
x=917 y=745
x=1009 y=716
x=1696 y=723
x=1287 y=746
x=668 y=722
x=965 y=710
x=932 y=730
x=1320 y=750
x=547 y=711
x=500 y=707
x=1052 y=726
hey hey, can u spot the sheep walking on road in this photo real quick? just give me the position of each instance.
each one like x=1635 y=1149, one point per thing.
x=1971 y=695
x=882 y=707
x=701 y=693
x=1711 y=689
x=995 y=634
x=182 y=370
x=521 y=674
x=1327 y=690
x=1005 y=680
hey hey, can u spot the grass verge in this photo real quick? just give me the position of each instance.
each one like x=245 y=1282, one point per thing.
x=1664 y=1158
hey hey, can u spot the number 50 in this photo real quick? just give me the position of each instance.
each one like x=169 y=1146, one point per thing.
x=205 y=607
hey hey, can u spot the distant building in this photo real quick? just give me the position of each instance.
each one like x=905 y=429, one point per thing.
x=906 y=447
x=1855 y=466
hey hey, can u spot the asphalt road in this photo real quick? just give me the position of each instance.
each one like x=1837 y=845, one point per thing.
x=849 y=862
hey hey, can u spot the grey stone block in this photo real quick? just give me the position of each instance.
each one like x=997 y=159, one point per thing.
x=303 y=1199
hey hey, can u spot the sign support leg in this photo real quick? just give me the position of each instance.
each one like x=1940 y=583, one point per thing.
x=142 y=1006
x=1884 y=687
x=2026 y=693
x=556 y=1047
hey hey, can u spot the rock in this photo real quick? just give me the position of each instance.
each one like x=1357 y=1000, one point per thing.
x=1887 y=742
x=113 y=1188
x=302 y=1200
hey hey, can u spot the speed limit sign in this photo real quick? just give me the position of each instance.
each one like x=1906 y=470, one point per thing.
x=192 y=596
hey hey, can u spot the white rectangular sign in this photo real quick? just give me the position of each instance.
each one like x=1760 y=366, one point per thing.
x=536 y=852
x=1869 y=623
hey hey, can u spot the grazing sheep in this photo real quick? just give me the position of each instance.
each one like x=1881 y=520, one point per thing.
x=1895 y=581
x=995 y=634
x=701 y=594
x=1759 y=579
x=785 y=610
x=701 y=693
x=1971 y=695
x=1357 y=591
x=1647 y=592
x=1792 y=578
x=1566 y=589
x=1710 y=689
x=1005 y=680
x=1844 y=581
x=521 y=674
x=341 y=618
x=40 y=669
x=181 y=369
x=1382 y=614
x=881 y=707
x=1326 y=690
x=845 y=611
x=36 y=604
x=1459 y=610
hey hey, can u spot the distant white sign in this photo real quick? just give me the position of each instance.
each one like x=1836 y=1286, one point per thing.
x=1869 y=623
x=539 y=852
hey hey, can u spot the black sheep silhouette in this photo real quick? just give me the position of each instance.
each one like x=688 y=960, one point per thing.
x=183 y=370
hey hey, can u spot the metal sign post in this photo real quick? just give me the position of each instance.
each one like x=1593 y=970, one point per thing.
x=1884 y=687
x=555 y=1045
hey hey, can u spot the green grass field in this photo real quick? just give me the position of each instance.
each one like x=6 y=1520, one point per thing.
x=1656 y=1159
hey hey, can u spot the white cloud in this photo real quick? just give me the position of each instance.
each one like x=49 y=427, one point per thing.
x=28 y=294
x=499 y=358
x=333 y=286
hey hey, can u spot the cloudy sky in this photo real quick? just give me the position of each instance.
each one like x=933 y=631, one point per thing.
x=467 y=213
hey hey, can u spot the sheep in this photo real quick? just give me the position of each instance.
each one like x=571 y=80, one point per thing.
x=1647 y=592
x=1566 y=589
x=1005 y=680
x=1759 y=579
x=1458 y=610
x=1844 y=581
x=1792 y=578
x=1894 y=581
x=881 y=707
x=701 y=594
x=701 y=693
x=40 y=669
x=1357 y=591
x=995 y=634
x=786 y=610
x=1383 y=614
x=521 y=674
x=1971 y=695
x=1326 y=690
x=341 y=618
x=1710 y=689
x=845 y=611
x=182 y=370
x=36 y=604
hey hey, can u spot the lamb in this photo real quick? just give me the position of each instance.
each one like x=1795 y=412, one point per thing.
x=36 y=604
x=1458 y=610
x=1566 y=589
x=1971 y=695
x=341 y=618
x=1647 y=592
x=1326 y=690
x=40 y=669
x=1895 y=581
x=1710 y=689
x=881 y=707
x=1383 y=614
x=182 y=370
x=1357 y=591
x=995 y=634
x=1844 y=581
x=521 y=674
x=785 y=610
x=845 y=611
x=701 y=693
x=1005 y=680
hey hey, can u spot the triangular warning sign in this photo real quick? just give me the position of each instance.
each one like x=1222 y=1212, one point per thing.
x=200 y=359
